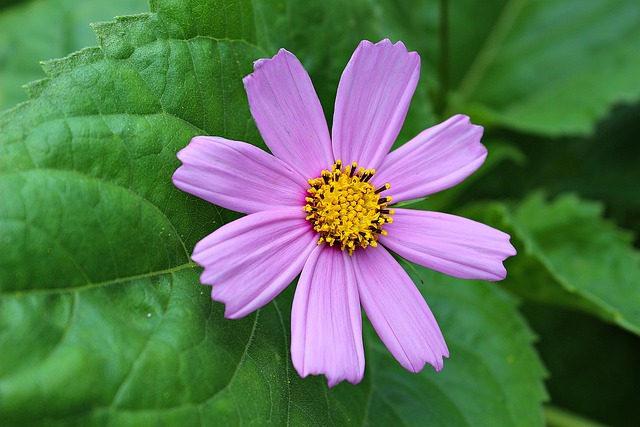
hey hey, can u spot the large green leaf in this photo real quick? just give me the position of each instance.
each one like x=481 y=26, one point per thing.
x=24 y=40
x=546 y=66
x=554 y=67
x=602 y=167
x=570 y=255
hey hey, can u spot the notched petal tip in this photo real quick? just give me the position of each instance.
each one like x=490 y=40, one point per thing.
x=463 y=121
x=282 y=54
x=436 y=361
x=194 y=144
x=176 y=178
x=364 y=44
x=438 y=367
x=508 y=251
x=229 y=313
x=460 y=118
x=386 y=43
x=334 y=380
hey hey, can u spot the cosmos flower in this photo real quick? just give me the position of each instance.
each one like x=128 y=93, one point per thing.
x=321 y=207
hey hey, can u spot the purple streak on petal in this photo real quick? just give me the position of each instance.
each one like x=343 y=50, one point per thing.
x=397 y=310
x=450 y=244
x=251 y=260
x=326 y=323
x=288 y=114
x=372 y=101
x=238 y=176
x=438 y=158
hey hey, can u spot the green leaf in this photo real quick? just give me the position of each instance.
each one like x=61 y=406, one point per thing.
x=493 y=377
x=602 y=167
x=570 y=255
x=554 y=67
x=571 y=344
x=37 y=30
x=548 y=67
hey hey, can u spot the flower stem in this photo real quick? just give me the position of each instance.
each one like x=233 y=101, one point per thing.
x=557 y=417
x=440 y=104
x=489 y=49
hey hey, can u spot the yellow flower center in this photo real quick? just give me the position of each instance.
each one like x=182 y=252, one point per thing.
x=345 y=209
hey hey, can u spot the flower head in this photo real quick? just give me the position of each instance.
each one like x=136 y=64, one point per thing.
x=320 y=207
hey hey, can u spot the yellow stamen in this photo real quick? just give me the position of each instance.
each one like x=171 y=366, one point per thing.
x=346 y=209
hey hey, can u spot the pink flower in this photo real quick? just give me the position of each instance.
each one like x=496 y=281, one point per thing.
x=320 y=207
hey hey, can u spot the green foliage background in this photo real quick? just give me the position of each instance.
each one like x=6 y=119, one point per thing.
x=102 y=317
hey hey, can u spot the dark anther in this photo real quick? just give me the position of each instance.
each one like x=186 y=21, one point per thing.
x=383 y=200
x=381 y=189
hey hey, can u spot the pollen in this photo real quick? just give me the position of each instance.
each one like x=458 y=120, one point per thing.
x=345 y=209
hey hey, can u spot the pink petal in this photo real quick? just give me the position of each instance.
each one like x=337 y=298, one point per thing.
x=450 y=244
x=238 y=176
x=251 y=260
x=326 y=324
x=372 y=101
x=288 y=113
x=397 y=310
x=438 y=158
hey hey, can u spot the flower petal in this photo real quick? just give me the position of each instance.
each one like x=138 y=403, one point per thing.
x=251 y=260
x=326 y=323
x=450 y=244
x=238 y=176
x=288 y=113
x=438 y=158
x=397 y=310
x=372 y=101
